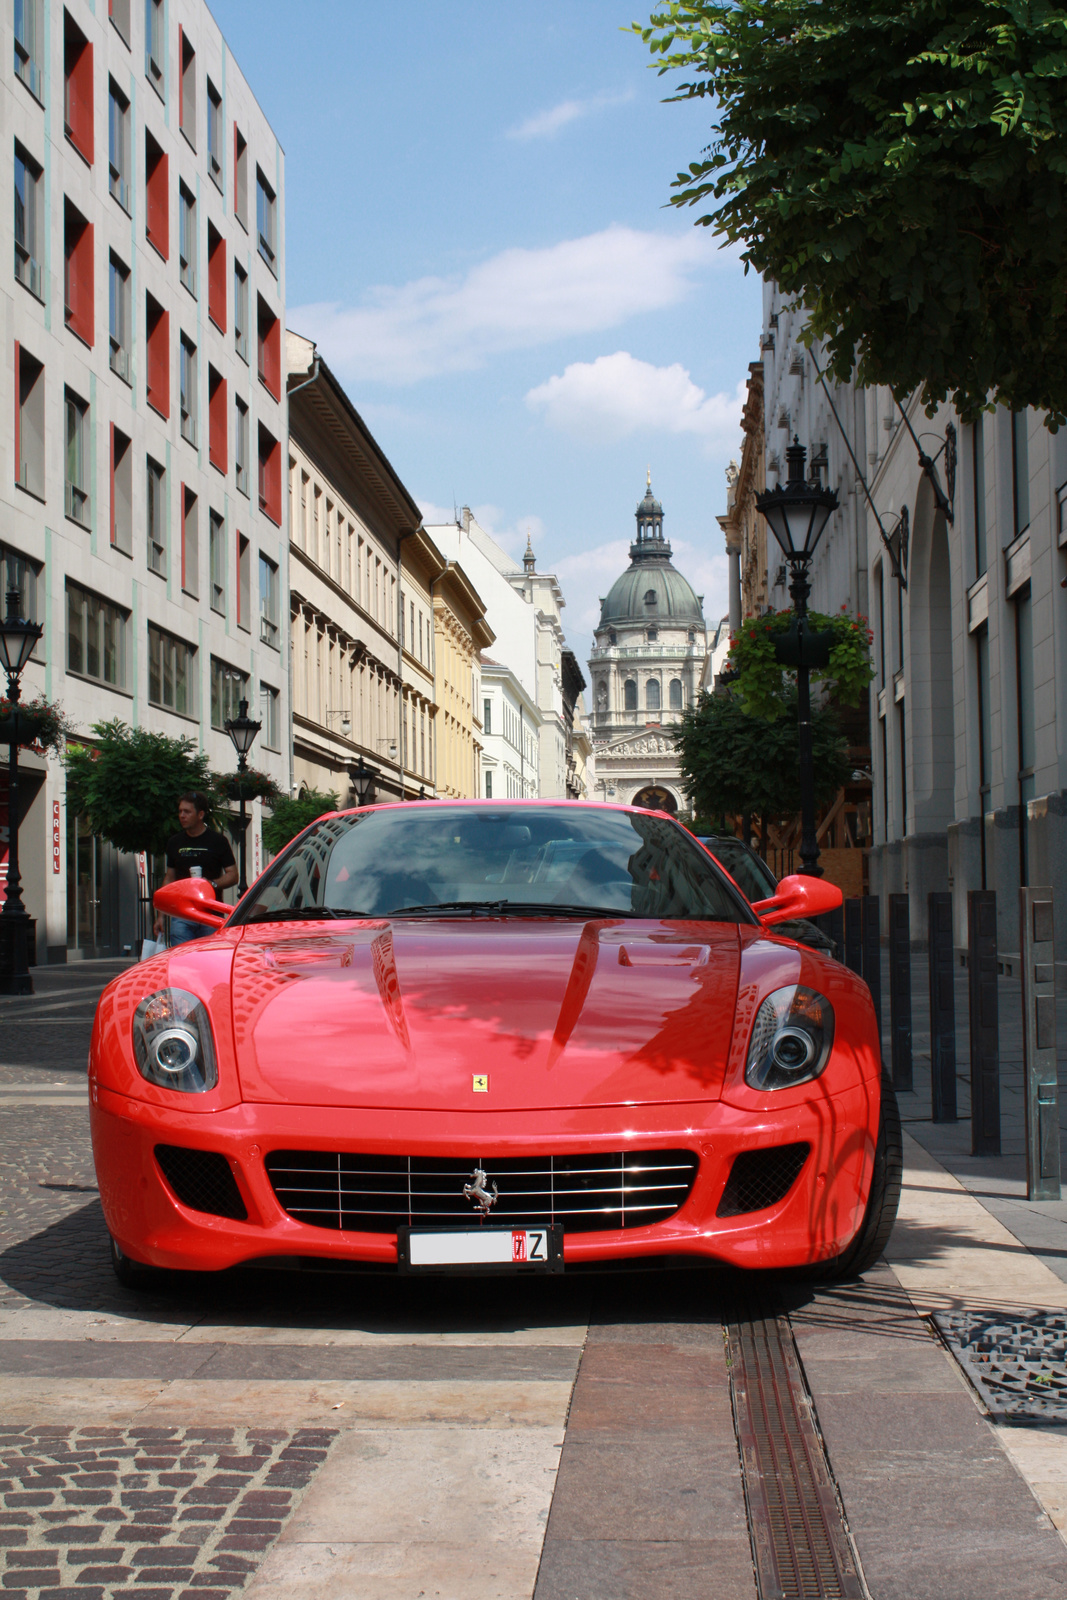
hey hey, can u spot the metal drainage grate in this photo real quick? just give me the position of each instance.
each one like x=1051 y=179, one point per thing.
x=378 y=1194
x=801 y=1547
x=1018 y=1365
x=202 y=1180
x=760 y=1178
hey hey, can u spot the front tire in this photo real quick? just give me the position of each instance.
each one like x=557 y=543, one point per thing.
x=134 y=1274
x=872 y=1236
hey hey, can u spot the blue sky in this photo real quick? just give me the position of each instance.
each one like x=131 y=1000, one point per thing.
x=477 y=238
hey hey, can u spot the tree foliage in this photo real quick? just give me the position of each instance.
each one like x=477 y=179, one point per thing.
x=733 y=763
x=291 y=817
x=900 y=170
x=127 y=784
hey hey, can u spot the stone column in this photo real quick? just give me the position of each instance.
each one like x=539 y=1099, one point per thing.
x=734 y=553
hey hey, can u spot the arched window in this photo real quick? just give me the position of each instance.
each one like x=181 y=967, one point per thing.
x=629 y=690
x=652 y=694
x=676 y=694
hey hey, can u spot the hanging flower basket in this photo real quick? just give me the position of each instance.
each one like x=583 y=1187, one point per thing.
x=250 y=785
x=38 y=724
x=842 y=642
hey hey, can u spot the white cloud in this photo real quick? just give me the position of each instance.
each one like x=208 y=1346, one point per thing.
x=618 y=395
x=511 y=536
x=545 y=124
x=516 y=300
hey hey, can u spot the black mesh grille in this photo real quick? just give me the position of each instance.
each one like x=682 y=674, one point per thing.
x=202 y=1180
x=760 y=1178
x=378 y=1194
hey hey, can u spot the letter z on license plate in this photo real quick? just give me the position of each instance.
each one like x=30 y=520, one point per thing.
x=492 y=1250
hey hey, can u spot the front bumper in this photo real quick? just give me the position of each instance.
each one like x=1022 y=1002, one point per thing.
x=815 y=1221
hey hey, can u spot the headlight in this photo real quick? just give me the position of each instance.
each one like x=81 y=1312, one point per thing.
x=791 y=1039
x=172 y=1042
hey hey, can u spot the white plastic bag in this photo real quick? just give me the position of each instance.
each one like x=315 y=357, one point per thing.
x=152 y=947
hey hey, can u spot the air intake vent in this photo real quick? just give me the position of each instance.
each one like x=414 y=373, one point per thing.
x=378 y=1194
x=202 y=1180
x=760 y=1178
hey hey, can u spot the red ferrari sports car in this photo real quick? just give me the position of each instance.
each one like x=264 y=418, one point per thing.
x=492 y=1036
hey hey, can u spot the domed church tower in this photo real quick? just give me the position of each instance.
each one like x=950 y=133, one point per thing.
x=645 y=670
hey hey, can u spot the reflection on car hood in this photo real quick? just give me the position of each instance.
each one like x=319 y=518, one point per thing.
x=556 y=1013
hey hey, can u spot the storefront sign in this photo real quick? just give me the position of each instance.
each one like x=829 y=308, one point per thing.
x=57 y=848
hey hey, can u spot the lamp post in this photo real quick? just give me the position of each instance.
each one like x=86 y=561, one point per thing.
x=242 y=730
x=363 y=778
x=797 y=512
x=17 y=639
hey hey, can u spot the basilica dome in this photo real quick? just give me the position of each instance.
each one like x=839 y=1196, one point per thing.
x=650 y=591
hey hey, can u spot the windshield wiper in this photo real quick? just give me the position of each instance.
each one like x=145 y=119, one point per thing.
x=519 y=908
x=305 y=914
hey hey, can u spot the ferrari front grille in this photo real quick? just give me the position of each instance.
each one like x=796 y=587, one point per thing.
x=202 y=1180
x=378 y=1194
x=760 y=1178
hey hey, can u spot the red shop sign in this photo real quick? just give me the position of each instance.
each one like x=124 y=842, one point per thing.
x=57 y=852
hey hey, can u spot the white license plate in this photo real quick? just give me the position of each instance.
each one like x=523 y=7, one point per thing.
x=514 y=1249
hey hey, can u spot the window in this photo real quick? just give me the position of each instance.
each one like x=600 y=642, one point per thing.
x=244 y=583
x=216 y=420
x=96 y=637
x=171 y=672
x=487 y=718
x=29 y=222
x=268 y=601
x=153 y=45
x=190 y=541
x=78 y=273
x=270 y=476
x=157 y=365
x=18 y=573
x=1020 y=470
x=677 y=697
x=119 y=12
x=121 y=491
x=187 y=237
x=77 y=459
x=187 y=381
x=217 y=561
x=489 y=786
x=118 y=144
x=29 y=44
x=77 y=88
x=229 y=687
x=978 y=484
x=119 y=317
x=240 y=446
x=216 y=277
x=629 y=692
x=214 y=134
x=157 y=198
x=240 y=311
x=156 y=517
x=187 y=88
x=269 y=700
x=265 y=221
x=652 y=694
x=29 y=424
x=269 y=348
x=240 y=177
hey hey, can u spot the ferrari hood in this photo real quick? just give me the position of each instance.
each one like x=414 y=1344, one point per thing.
x=485 y=1015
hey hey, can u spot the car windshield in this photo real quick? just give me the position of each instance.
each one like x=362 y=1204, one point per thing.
x=745 y=867
x=441 y=859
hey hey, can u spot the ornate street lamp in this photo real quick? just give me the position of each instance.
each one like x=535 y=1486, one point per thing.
x=17 y=639
x=242 y=730
x=797 y=512
x=363 y=778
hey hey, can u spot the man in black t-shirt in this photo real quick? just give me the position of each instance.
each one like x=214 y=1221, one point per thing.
x=197 y=852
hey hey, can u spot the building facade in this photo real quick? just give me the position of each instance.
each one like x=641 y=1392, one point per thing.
x=645 y=669
x=510 y=735
x=743 y=529
x=461 y=633
x=575 y=721
x=144 y=431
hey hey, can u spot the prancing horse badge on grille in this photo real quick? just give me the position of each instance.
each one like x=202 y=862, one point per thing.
x=478 y=1192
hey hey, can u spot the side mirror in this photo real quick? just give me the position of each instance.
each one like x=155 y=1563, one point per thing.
x=192 y=898
x=798 y=896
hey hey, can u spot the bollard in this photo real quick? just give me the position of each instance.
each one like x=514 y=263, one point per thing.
x=942 y=1008
x=872 y=955
x=900 y=991
x=854 y=934
x=983 y=1011
x=1039 y=1045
